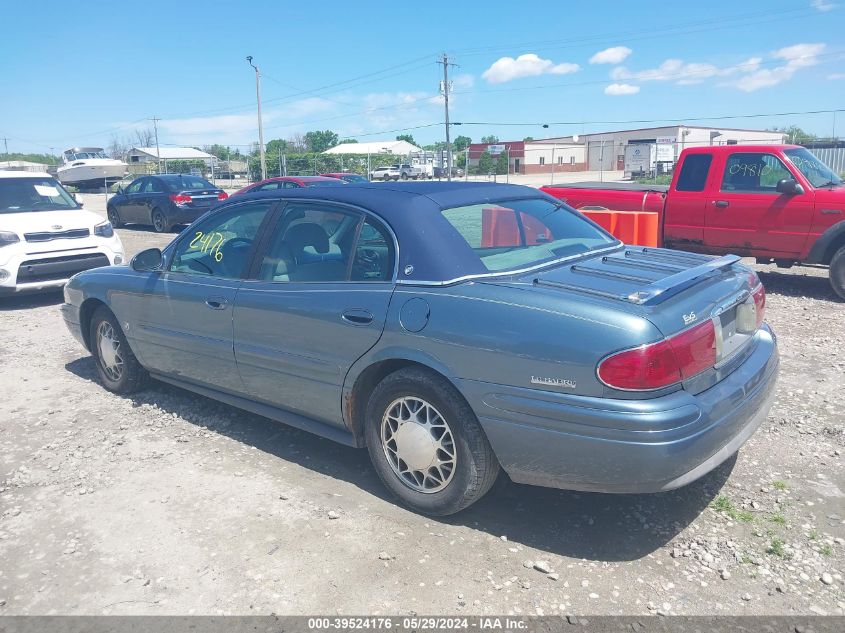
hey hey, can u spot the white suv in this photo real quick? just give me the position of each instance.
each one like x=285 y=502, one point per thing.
x=46 y=236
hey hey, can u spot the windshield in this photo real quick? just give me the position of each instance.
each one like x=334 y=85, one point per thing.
x=523 y=233
x=84 y=155
x=19 y=195
x=813 y=169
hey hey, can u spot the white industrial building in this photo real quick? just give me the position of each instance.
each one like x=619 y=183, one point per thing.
x=398 y=148
x=605 y=151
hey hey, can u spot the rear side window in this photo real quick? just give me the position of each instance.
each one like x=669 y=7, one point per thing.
x=694 y=172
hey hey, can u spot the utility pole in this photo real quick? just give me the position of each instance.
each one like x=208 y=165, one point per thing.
x=6 y=144
x=445 y=90
x=260 y=124
x=155 y=121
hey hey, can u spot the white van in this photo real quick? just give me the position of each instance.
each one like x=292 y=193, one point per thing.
x=46 y=236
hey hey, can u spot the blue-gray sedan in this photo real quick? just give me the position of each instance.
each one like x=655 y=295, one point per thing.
x=454 y=329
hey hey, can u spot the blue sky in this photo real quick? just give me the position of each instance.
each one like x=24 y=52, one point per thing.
x=81 y=73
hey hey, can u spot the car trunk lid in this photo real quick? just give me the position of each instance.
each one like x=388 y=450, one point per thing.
x=673 y=290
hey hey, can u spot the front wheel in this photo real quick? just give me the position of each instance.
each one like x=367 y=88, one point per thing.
x=426 y=443
x=117 y=366
x=160 y=223
x=837 y=272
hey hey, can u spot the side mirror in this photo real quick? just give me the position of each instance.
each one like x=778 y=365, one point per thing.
x=789 y=186
x=77 y=198
x=119 y=190
x=147 y=261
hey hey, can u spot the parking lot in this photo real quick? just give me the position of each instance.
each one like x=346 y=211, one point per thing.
x=166 y=502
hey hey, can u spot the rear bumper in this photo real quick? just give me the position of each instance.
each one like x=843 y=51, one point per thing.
x=626 y=446
x=185 y=215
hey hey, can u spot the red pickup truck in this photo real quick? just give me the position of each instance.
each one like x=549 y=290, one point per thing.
x=778 y=203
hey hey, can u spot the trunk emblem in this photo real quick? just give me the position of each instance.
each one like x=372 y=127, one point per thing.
x=689 y=318
x=553 y=382
x=56 y=227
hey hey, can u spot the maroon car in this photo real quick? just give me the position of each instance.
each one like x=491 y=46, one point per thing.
x=291 y=182
x=348 y=177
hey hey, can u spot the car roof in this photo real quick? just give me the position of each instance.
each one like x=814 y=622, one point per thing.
x=19 y=173
x=428 y=246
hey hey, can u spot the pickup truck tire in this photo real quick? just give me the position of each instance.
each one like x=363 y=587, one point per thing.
x=417 y=414
x=117 y=367
x=837 y=272
x=404 y=176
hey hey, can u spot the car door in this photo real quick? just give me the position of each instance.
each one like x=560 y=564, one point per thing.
x=315 y=303
x=748 y=215
x=129 y=205
x=184 y=327
x=154 y=195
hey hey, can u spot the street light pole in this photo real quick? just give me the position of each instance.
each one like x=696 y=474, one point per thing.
x=260 y=124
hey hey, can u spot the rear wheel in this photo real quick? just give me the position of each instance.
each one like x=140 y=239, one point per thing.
x=114 y=217
x=117 y=366
x=426 y=443
x=837 y=272
x=160 y=223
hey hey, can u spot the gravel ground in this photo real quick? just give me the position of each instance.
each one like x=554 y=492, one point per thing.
x=170 y=503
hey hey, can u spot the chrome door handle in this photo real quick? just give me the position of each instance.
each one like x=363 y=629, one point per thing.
x=216 y=303
x=721 y=203
x=357 y=317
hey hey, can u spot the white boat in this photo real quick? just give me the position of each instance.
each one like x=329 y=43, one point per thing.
x=89 y=167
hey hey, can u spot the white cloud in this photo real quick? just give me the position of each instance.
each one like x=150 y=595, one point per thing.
x=527 y=65
x=613 y=55
x=684 y=73
x=794 y=57
x=616 y=90
x=835 y=76
x=823 y=5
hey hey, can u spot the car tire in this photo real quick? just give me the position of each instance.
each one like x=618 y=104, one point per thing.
x=837 y=273
x=159 y=220
x=404 y=176
x=117 y=367
x=451 y=433
x=114 y=217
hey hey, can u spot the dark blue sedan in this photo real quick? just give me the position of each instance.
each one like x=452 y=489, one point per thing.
x=163 y=201
x=454 y=329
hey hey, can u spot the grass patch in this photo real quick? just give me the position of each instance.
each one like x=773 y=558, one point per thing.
x=813 y=536
x=826 y=550
x=777 y=518
x=779 y=485
x=777 y=548
x=724 y=504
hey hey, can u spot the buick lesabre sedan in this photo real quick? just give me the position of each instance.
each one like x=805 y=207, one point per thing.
x=452 y=329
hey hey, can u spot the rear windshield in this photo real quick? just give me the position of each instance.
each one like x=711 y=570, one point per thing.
x=324 y=183
x=186 y=182
x=18 y=195
x=524 y=233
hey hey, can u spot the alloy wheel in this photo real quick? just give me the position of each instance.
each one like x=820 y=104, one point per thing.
x=108 y=346
x=418 y=444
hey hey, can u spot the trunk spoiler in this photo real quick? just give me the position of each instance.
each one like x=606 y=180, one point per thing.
x=660 y=290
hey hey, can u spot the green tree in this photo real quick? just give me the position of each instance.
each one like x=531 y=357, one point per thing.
x=461 y=143
x=502 y=163
x=44 y=159
x=492 y=139
x=348 y=140
x=409 y=138
x=485 y=163
x=796 y=135
x=317 y=141
x=528 y=139
x=220 y=151
x=277 y=146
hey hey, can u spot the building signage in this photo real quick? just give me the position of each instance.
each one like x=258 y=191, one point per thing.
x=495 y=150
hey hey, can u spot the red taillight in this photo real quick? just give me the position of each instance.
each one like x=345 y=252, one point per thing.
x=180 y=198
x=222 y=195
x=663 y=363
x=760 y=304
